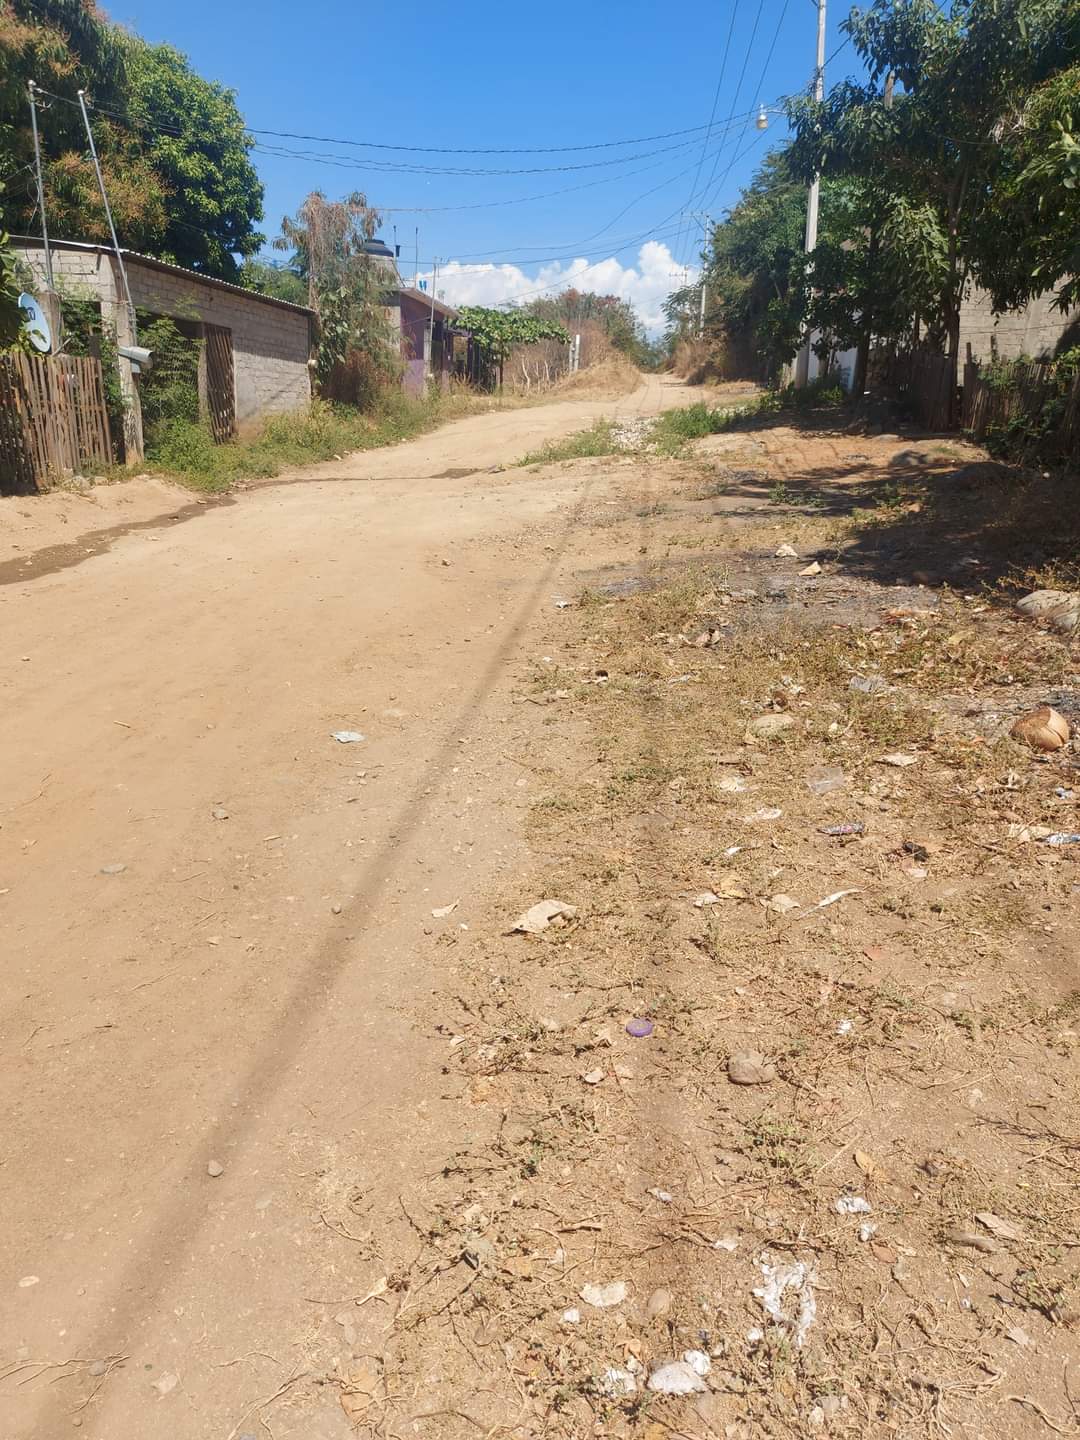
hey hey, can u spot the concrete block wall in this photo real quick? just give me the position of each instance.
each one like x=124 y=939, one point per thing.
x=271 y=343
x=1038 y=330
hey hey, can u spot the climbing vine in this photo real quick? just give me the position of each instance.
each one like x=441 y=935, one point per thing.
x=497 y=331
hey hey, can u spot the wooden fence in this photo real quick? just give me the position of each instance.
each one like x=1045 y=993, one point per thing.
x=53 y=419
x=924 y=380
x=1039 y=395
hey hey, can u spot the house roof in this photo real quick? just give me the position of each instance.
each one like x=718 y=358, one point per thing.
x=152 y=263
x=423 y=298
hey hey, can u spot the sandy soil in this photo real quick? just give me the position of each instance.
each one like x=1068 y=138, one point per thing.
x=299 y=1141
x=241 y=991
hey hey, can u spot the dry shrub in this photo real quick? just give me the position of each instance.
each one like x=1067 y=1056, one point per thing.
x=614 y=374
x=708 y=361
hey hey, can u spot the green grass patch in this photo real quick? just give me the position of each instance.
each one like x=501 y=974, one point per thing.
x=598 y=439
x=185 y=450
x=675 y=429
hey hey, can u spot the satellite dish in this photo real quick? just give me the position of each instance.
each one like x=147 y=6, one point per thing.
x=36 y=323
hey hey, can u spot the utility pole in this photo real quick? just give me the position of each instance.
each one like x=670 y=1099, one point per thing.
x=416 y=258
x=706 y=223
x=108 y=215
x=802 y=360
x=41 y=189
x=431 y=321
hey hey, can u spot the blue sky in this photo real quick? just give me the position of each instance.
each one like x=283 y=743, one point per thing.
x=502 y=75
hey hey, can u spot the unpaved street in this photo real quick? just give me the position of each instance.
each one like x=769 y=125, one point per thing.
x=771 y=1134
x=241 y=990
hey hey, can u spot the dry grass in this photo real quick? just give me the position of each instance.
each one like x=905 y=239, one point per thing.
x=922 y=1029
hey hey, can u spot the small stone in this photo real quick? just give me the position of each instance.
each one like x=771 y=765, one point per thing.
x=215 y=1168
x=769 y=727
x=115 y=869
x=28 y=1280
x=658 y=1304
x=219 y=813
x=99 y=1367
x=335 y=909
x=750 y=1067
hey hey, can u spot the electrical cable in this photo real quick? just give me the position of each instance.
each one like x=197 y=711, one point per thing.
x=715 y=102
x=761 y=80
x=738 y=87
x=387 y=145
x=347 y=162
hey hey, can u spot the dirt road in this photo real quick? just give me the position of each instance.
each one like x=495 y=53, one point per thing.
x=301 y=1141
x=217 y=917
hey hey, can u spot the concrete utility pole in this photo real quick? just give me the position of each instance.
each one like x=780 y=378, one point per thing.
x=431 y=321
x=802 y=360
x=41 y=189
x=109 y=218
x=706 y=222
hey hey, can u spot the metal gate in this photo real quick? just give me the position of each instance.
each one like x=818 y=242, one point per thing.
x=220 y=383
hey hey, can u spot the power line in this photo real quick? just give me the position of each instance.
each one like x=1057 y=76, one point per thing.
x=483 y=150
x=712 y=112
x=390 y=145
x=738 y=87
x=347 y=162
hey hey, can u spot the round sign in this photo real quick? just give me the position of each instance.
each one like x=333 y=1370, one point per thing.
x=35 y=323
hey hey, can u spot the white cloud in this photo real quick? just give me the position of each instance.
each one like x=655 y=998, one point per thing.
x=646 y=285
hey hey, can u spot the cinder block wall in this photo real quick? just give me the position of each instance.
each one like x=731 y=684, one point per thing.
x=1038 y=330
x=271 y=343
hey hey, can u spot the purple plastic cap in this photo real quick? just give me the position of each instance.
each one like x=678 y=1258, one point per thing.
x=639 y=1028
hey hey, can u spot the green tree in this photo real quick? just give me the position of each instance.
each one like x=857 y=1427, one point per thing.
x=268 y=278
x=347 y=287
x=616 y=317
x=754 y=270
x=196 y=144
x=173 y=149
x=876 y=271
x=496 y=332
x=934 y=125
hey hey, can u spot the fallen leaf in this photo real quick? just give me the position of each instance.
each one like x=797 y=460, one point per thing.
x=1003 y=1229
x=782 y=904
x=812 y=569
x=444 y=910
x=1018 y=1335
x=899 y=760
x=833 y=898
x=379 y=1288
x=883 y=1252
x=971 y=1240
x=866 y=1163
